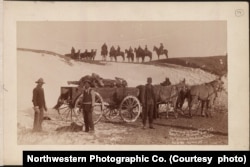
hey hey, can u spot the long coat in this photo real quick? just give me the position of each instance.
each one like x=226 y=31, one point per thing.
x=38 y=97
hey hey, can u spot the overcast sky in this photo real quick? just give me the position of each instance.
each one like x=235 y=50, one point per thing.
x=181 y=38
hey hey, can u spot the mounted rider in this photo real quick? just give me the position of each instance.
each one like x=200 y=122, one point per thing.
x=104 y=47
x=118 y=49
x=140 y=49
x=112 y=48
x=130 y=49
x=146 y=50
x=161 y=48
x=73 y=50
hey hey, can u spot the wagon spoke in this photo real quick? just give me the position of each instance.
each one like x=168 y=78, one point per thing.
x=68 y=114
x=134 y=104
x=74 y=113
x=126 y=103
x=65 y=111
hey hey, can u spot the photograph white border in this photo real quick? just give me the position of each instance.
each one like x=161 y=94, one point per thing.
x=238 y=59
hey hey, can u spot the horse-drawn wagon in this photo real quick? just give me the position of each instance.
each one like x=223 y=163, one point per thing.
x=109 y=102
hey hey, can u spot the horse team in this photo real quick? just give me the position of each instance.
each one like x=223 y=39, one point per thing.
x=175 y=95
x=132 y=54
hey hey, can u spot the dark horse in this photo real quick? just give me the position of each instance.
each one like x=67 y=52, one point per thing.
x=159 y=52
x=130 y=55
x=115 y=53
x=205 y=93
x=74 y=55
x=140 y=53
x=88 y=55
x=164 y=95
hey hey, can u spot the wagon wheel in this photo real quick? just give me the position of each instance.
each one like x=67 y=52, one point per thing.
x=110 y=112
x=97 y=111
x=66 y=111
x=130 y=109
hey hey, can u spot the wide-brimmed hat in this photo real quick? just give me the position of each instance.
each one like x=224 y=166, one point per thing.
x=40 y=80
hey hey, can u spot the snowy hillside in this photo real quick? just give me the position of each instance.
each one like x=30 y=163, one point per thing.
x=57 y=71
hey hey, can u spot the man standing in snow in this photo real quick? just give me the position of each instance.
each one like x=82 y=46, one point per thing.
x=149 y=101
x=39 y=105
x=88 y=106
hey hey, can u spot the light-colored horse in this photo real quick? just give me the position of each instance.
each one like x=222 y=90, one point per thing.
x=205 y=93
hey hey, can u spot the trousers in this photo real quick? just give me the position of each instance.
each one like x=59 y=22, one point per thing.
x=38 y=119
x=148 y=114
x=87 y=116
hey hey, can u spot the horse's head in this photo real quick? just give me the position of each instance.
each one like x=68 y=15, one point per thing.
x=181 y=86
x=218 y=84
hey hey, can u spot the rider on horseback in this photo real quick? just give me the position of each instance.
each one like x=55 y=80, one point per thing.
x=146 y=48
x=72 y=50
x=130 y=49
x=104 y=47
x=118 y=48
x=161 y=48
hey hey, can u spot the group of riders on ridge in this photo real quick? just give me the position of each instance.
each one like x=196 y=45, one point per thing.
x=114 y=53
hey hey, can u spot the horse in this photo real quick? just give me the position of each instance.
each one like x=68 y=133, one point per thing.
x=112 y=53
x=115 y=53
x=92 y=54
x=74 y=55
x=104 y=53
x=77 y=55
x=130 y=55
x=158 y=52
x=139 y=54
x=88 y=55
x=205 y=93
x=84 y=55
x=148 y=53
x=119 y=53
x=164 y=95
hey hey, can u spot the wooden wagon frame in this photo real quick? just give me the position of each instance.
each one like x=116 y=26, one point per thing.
x=109 y=103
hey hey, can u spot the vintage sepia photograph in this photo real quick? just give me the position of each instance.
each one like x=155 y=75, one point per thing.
x=122 y=82
x=125 y=76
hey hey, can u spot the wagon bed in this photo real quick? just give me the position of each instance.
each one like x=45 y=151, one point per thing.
x=109 y=102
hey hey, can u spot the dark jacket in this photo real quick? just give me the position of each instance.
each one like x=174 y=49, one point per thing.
x=38 y=97
x=149 y=94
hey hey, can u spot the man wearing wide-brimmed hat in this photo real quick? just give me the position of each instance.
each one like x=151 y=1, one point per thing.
x=39 y=105
x=88 y=106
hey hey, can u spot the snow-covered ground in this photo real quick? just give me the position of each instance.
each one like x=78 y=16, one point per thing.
x=56 y=72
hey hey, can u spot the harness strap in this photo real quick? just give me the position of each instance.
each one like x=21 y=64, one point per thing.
x=170 y=97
